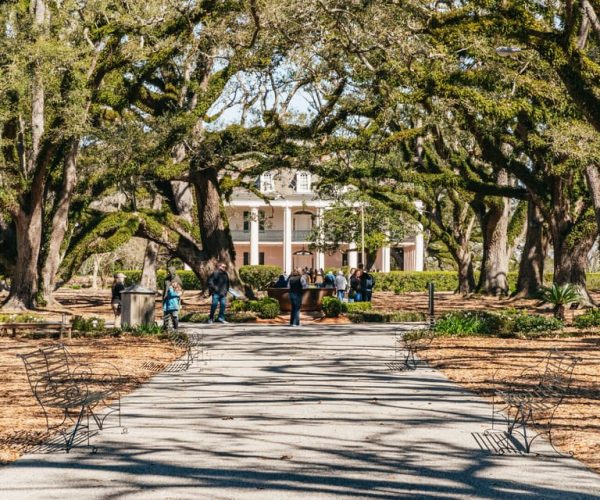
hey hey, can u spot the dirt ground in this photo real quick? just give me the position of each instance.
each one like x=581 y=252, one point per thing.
x=472 y=362
x=22 y=422
x=476 y=363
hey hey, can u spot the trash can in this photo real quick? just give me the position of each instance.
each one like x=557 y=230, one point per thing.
x=137 y=306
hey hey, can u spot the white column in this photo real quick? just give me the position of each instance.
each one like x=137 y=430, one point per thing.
x=386 y=259
x=352 y=256
x=254 y=229
x=419 y=242
x=320 y=260
x=287 y=240
x=419 y=251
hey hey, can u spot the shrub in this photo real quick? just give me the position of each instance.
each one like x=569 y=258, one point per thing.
x=332 y=307
x=528 y=323
x=240 y=317
x=506 y=324
x=357 y=306
x=560 y=297
x=237 y=305
x=20 y=318
x=409 y=281
x=266 y=308
x=589 y=319
x=144 y=330
x=195 y=317
x=386 y=316
x=465 y=323
x=259 y=277
x=82 y=324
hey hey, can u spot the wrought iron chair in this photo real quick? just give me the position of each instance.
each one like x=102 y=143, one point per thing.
x=407 y=345
x=532 y=398
x=76 y=390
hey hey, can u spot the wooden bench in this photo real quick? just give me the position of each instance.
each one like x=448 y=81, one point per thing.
x=59 y=329
x=531 y=399
x=74 y=390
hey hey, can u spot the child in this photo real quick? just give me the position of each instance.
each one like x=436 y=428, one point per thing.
x=172 y=304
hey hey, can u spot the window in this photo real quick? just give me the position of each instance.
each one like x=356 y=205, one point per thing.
x=248 y=218
x=261 y=258
x=303 y=182
x=267 y=182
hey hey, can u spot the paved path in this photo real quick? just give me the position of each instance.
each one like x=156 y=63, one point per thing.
x=307 y=412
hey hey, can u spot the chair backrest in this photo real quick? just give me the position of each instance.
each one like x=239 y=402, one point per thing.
x=558 y=372
x=46 y=367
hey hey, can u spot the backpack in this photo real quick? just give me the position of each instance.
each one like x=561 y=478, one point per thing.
x=329 y=280
x=369 y=282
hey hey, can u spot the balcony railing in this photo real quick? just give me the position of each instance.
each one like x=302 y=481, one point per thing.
x=300 y=235
x=270 y=235
x=267 y=235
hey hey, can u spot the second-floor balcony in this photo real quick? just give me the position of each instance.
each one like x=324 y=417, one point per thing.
x=270 y=235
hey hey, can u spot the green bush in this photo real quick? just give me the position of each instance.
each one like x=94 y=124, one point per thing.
x=259 y=277
x=506 y=324
x=409 y=281
x=20 y=318
x=238 y=305
x=528 y=323
x=92 y=324
x=240 y=317
x=332 y=307
x=465 y=323
x=357 y=306
x=266 y=308
x=589 y=319
x=195 y=317
x=189 y=280
x=144 y=330
x=386 y=316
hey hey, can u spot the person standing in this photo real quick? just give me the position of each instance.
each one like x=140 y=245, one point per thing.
x=170 y=280
x=355 y=285
x=115 y=300
x=218 y=286
x=296 y=284
x=172 y=305
x=367 y=283
x=340 y=285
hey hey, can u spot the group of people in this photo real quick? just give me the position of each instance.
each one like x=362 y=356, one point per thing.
x=358 y=285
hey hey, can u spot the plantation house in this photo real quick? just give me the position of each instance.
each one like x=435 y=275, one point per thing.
x=276 y=232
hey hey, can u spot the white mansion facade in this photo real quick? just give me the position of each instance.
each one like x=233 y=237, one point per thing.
x=276 y=232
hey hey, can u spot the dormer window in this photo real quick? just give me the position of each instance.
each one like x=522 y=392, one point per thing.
x=303 y=183
x=267 y=183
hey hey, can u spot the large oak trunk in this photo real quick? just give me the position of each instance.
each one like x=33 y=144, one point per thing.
x=52 y=257
x=151 y=255
x=217 y=245
x=531 y=267
x=24 y=283
x=466 y=274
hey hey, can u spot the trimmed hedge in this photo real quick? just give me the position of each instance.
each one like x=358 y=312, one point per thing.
x=189 y=279
x=395 y=281
x=259 y=277
x=386 y=317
